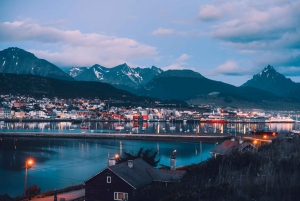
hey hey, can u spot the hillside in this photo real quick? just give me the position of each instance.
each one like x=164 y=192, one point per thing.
x=187 y=85
x=39 y=86
x=272 y=81
x=18 y=61
x=271 y=174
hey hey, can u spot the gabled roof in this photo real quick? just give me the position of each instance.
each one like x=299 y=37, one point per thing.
x=136 y=176
x=5 y=197
x=225 y=147
x=142 y=173
x=229 y=145
x=246 y=144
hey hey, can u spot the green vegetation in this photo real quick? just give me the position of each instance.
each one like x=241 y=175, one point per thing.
x=270 y=174
x=145 y=155
x=33 y=190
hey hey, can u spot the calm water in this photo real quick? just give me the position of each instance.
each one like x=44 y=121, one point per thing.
x=147 y=127
x=63 y=162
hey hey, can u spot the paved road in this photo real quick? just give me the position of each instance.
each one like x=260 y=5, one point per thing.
x=68 y=196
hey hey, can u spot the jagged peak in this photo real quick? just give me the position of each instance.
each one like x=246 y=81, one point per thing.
x=269 y=68
x=15 y=50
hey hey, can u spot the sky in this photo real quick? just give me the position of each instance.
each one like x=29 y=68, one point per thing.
x=228 y=41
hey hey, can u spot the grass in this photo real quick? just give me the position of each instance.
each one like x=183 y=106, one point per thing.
x=272 y=173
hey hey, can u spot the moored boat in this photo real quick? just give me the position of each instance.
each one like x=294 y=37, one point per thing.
x=216 y=119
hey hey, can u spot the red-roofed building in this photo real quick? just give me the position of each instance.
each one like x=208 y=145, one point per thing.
x=229 y=145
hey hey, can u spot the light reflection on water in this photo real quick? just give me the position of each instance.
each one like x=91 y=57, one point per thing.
x=145 y=127
x=64 y=162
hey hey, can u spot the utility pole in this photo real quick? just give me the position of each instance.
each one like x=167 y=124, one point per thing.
x=200 y=151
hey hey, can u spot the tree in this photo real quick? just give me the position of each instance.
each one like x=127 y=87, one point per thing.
x=145 y=155
x=33 y=190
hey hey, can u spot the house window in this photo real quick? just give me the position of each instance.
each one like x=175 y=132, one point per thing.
x=120 y=196
x=108 y=179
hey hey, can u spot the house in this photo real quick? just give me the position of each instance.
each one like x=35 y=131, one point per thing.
x=5 y=197
x=121 y=181
x=230 y=145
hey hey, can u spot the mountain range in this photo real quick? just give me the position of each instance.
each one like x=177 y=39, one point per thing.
x=270 y=80
x=18 y=61
x=121 y=76
x=184 y=85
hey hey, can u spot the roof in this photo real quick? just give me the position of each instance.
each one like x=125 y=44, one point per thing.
x=228 y=145
x=246 y=144
x=136 y=176
x=142 y=173
x=5 y=197
x=224 y=147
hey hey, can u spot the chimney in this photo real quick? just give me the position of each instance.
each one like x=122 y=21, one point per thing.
x=111 y=162
x=173 y=161
x=130 y=163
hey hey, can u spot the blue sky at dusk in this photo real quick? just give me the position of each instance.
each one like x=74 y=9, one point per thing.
x=227 y=41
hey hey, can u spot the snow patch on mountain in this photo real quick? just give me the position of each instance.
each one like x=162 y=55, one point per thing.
x=73 y=72
x=119 y=75
x=98 y=74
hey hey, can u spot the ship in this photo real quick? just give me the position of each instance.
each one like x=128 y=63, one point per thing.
x=216 y=119
x=295 y=132
x=280 y=119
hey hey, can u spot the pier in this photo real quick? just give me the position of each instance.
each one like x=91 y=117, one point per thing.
x=205 y=137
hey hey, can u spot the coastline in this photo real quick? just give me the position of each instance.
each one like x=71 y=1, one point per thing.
x=207 y=137
x=77 y=121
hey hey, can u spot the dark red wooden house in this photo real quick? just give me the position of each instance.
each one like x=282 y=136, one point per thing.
x=120 y=182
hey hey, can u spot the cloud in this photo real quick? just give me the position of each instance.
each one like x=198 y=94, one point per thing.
x=266 y=31
x=167 y=32
x=291 y=71
x=162 y=31
x=184 y=57
x=209 y=13
x=257 y=26
x=179 y=63
x=74 y=48
x=229 y=68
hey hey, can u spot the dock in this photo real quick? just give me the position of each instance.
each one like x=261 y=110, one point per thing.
x=205 y=137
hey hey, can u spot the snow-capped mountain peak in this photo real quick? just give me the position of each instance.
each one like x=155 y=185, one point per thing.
x=119 y=75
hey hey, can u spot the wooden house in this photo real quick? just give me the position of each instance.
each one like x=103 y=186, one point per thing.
x=5 y=197
x=230 y=145
x=120 y=181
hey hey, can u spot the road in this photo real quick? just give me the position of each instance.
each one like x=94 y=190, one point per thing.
x=69 y=196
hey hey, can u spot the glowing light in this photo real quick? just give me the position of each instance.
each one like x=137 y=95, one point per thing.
x=29 y=163
x=116 y=156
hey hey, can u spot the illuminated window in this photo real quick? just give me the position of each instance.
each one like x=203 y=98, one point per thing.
x=120 y=196
x=108 y=179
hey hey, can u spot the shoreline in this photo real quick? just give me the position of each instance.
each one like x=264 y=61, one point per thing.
x=207 y=137
x=78 y=121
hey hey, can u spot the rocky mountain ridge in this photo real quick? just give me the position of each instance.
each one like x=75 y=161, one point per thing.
x=272 y=81
x=17 y=61
x=121 y=76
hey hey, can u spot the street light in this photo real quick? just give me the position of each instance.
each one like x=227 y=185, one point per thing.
x=28 y=164
x=174 y=152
